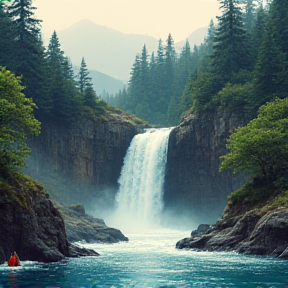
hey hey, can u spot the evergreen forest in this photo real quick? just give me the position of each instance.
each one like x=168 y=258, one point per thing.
x=242 y=64
x=47 y=73
x=37 y=84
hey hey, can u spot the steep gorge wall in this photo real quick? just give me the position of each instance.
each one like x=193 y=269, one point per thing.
x=82 y=161
x=193 y=184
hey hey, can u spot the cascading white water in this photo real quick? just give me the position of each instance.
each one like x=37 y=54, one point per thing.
x=141 y=181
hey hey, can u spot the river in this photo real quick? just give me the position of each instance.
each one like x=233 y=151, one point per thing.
x=150 y=260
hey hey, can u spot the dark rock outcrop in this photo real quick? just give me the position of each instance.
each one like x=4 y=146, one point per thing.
x=256 y=232
x=83 y=227
x=201 y=230
x=193 y=184
x=31 y=225
x=81 y=162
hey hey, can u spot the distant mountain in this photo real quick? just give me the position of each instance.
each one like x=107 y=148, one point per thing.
x=111 y=52
x=195 y=38
x=104 y=49
x=105 y=82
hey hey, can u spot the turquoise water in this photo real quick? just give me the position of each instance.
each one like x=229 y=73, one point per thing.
x=150 y=260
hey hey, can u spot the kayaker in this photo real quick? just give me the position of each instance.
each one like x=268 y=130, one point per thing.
x=14 y=260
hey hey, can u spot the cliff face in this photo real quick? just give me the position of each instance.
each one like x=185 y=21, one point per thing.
x=193 y=184
x=84 y=160
x=31 y=225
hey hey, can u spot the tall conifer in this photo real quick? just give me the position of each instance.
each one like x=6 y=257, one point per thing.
x=28 y=55
x=230 y=52
x=84 y=81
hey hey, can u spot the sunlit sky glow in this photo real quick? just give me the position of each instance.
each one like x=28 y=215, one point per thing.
x=156 y=18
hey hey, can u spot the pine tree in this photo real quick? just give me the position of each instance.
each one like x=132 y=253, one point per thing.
x=84 y=81
x=230 y=53
x=250 y=13
x=208 y=42
x=160 y=53
x=90 y=97
x=168 y=74
x=269 y=72
x=66 y=100
x=28 y=57
x=278 y=15
x=6 y=38
x=257 y=32
x=134 y=85
x=55 y=55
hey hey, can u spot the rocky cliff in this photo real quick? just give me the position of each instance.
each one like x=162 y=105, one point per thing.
x=81 y=227
x=31 y=225
x=193 y=184
x=257 y=231
x=81 y=163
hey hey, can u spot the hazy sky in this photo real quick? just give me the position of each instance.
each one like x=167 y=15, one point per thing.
x=156 y=18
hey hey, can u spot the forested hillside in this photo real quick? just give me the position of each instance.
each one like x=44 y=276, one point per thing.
x=241 y=65
x=47 y=73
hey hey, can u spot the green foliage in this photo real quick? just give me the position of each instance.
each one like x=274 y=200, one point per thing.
x=84 y=81
x=280 y=200
x=230 y=51
x=256 y=192
x=6 y=42
x=261 y=147
x=16 y=122
x=233 y=97
x=204 y=88
x=16 y=185
x=156 y=86
x=27 y=51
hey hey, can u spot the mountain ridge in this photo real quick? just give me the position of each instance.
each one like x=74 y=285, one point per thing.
x=111 y=52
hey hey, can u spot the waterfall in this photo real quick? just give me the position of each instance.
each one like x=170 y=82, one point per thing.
x=139 y=197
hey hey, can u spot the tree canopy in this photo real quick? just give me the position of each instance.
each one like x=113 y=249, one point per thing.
x=241 y=65
x=261 y=147
x=16 y=121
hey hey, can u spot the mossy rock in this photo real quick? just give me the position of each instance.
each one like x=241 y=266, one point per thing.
x=78 y=208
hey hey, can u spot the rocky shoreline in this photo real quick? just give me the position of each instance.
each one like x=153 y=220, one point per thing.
x=81 y=227
x=36 y=229
x=255 y=232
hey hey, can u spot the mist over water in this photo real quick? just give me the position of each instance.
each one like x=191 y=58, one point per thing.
x=139 y=198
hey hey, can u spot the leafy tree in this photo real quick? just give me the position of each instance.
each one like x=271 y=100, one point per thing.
x=261 y=147
x=234 y=97
x=16 y=122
